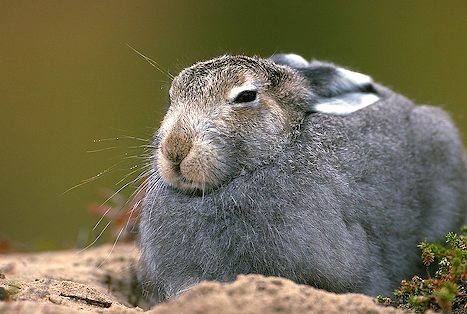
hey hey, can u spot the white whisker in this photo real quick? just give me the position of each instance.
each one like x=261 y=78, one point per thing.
x=126 y=137
x=128 y=174
x=109 y=198
x=152 y=62
x=101 y=149
x=96 y=239
x=92 y=178
x=119 y=234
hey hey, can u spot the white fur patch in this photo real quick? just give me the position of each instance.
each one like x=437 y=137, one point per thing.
x=346 y=103
x=296 y=61
x=355 y=77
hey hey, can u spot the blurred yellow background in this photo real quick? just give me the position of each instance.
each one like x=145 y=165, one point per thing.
x=67 y=79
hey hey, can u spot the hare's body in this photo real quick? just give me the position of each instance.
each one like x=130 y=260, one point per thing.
x=339 y=203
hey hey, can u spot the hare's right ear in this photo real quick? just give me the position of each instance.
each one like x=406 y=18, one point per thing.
x=339 y=91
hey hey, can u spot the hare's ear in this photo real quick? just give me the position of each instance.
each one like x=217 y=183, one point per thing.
x=339 y=91
x=292 y=60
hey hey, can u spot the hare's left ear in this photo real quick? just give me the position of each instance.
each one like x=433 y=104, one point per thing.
x=292 y=60
x=338 y=91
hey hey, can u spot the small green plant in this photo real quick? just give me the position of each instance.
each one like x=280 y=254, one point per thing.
x=447 y=289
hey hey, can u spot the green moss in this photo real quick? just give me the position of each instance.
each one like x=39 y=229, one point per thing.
x=446 y=290
x=383 y=300
x=13 y=289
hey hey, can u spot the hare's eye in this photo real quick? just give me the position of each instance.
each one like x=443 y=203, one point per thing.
x=245 y=96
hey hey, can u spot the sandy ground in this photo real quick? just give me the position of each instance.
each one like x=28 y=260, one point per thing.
x=95 y=281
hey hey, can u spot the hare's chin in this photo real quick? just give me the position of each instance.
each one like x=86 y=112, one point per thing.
x=190 y=187
x=175 y=178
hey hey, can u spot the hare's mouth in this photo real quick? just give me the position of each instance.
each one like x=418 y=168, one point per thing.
x=191 y=187
x=188 y=178
x=186 y=185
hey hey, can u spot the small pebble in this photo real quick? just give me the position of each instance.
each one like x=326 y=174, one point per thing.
x=55 y=299
x=3 y=294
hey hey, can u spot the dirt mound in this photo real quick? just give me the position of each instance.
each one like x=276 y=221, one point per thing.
x=98 y=280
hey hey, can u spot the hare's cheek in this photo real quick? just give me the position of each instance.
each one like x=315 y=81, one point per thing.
x=204 y=167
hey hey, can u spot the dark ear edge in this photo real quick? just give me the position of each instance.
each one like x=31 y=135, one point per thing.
x=327 y=80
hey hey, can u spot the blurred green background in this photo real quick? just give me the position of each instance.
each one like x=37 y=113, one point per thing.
x=67 y=79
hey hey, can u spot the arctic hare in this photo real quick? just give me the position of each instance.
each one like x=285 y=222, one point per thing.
x=301 y=170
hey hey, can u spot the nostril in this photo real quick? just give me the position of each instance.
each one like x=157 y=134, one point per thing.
x=175 y=149
x=176 y=168
x=177 y=158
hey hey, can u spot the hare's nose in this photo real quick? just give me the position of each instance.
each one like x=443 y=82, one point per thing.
x=176 y=147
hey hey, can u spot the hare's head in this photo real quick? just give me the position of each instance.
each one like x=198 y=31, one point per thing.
x=236 y=113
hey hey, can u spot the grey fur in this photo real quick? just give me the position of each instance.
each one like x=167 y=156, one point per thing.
x=337 y=202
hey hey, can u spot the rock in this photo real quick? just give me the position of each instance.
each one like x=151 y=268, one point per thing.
x=259 y=294
x=102 y=280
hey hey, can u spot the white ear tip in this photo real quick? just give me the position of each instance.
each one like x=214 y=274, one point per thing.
x=295 y=61
x=355 y=77
x=345 y=105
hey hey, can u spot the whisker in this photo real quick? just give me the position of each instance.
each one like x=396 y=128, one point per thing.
x=142 y=157
x=133 y=200
x=120 y=233
x=101 y=149
x=113 y=195
x=152 y=62
x=136 y=205
x=108 y=199
x=204 y=187
x=85 y=181
x=96 y=239
x=128 y=174
x=124 y=137
x=142 y=175
x=150 y=146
